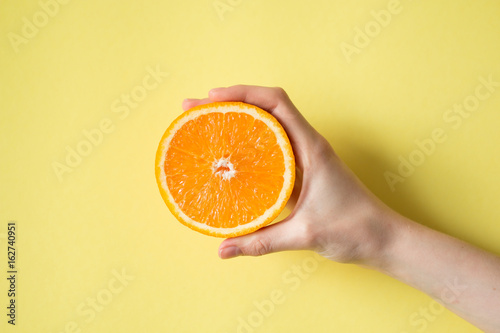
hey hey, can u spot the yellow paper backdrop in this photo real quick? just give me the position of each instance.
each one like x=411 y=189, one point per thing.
x=87 y=89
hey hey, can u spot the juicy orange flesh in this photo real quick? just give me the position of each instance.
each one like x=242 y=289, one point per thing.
x=215 y=195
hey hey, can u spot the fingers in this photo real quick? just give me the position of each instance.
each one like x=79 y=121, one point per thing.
x=282 y=236
x=274 y=100
x=303 y=137
x=189 y=103
x=263 y=97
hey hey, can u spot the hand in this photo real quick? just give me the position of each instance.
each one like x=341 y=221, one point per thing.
x=333 y=214
x=336 y=216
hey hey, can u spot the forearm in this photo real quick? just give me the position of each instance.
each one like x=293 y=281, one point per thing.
x=460 y=276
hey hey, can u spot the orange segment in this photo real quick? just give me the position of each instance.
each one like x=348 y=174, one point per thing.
x=225 y=169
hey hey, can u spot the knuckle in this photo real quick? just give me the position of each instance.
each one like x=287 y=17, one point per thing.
x=260 y=247
x=280 y=93
x=320 y=152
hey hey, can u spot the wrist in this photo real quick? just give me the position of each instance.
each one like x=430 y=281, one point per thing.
x=383 y=225
x=366 y=237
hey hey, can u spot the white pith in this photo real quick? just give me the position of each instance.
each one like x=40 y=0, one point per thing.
x=223 y=162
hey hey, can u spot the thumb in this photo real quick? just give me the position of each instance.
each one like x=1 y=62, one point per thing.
x=288 y=234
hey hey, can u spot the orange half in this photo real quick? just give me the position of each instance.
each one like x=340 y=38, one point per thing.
x=225 y=169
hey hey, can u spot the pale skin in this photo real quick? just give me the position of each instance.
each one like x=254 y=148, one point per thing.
x=334 y=214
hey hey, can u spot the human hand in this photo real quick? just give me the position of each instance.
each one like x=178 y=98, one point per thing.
x=336 y=216
x=333 y=213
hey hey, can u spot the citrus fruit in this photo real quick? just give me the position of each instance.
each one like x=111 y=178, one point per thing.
x=225 y=169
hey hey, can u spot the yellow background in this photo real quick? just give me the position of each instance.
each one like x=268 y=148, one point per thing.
x=106 y=216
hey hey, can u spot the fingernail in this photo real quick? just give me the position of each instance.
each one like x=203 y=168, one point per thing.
x=230 y=252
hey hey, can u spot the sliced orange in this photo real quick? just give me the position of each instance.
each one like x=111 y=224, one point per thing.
x=225 y=169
